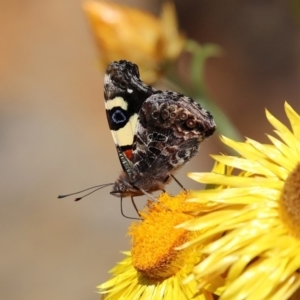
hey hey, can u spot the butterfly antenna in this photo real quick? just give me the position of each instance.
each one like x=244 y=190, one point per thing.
x=96 y=188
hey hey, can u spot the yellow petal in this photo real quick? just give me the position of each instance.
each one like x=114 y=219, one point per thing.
x=231 y=194
x=285 y=290
x=244 y=149
x=294 y=119
x=272 y=153
x=284 y=133
x=283 y=148
x=243 y=164
x=236 y=181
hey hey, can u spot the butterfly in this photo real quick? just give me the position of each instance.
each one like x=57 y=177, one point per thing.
x=155 y=132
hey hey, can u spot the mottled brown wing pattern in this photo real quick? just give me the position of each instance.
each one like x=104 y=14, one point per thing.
x=169 y=131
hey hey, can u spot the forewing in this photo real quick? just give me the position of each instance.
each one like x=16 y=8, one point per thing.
x=124 y=95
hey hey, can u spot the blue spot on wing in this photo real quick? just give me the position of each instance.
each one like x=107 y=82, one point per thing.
x=117 y=118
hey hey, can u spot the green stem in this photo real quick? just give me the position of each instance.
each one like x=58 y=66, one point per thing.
x=196 y=88
x=224 y=125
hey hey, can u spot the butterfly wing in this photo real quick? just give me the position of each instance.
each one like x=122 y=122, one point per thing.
x=124 y=95
x=169 y=131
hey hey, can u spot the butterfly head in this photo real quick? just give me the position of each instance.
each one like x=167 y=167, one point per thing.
x=139 y=184
x=123 y=188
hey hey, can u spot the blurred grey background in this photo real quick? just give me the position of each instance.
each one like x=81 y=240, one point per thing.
x=55 y=139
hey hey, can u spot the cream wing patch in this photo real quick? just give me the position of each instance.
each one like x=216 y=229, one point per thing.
x=124 y=136
x=116 y=102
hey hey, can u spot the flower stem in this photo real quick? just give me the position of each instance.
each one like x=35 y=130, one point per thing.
x=196 y=88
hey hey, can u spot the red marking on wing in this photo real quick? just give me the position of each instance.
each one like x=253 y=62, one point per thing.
x=128 y=154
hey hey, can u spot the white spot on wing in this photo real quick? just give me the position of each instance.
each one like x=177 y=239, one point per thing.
x=129 y=91
x=106 y=79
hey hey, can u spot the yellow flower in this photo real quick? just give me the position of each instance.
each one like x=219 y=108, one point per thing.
x=154 y=269
x=254 y=207
x=122 y=32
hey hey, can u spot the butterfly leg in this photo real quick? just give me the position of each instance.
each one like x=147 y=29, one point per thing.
x=123 y=212
x=148 y=195
x=135 y=207
x=178 y=182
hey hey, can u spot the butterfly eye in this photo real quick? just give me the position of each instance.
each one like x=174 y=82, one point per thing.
x=165 y=114
x=183 y=116
x=190 y=123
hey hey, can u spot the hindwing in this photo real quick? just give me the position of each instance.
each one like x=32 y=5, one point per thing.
x=169 y=131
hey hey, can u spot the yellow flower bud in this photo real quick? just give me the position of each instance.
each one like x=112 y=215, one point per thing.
x=126 y=33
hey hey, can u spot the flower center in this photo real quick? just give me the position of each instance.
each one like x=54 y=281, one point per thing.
x=290 y=202
x=155 y=238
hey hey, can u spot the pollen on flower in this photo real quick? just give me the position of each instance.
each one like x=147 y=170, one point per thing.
x=290 y=202
x=155 y=238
